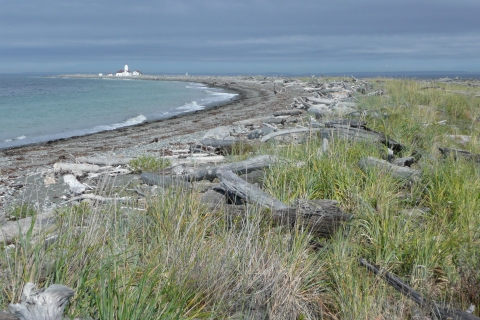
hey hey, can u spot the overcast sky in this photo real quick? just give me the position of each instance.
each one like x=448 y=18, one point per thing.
x=239 y=36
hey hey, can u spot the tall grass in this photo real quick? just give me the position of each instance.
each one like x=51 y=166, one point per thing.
x=172 y=258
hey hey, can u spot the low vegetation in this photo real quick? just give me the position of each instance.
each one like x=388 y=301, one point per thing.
x=171 y=258
x=148 y=163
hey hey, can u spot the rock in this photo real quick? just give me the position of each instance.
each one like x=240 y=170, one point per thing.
x=212 y=197
x=219 y=133
x=404 y=162
x=319 y=110
x=255 y=134
x=463 y=139
x=341 y=110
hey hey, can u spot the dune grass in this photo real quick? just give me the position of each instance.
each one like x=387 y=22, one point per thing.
x=173 y=259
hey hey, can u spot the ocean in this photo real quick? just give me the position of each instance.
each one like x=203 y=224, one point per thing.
x=38 y=109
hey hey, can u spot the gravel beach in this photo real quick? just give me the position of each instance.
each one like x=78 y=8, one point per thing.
x=255 y=98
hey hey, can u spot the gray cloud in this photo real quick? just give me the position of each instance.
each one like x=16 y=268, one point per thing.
x=229 y=35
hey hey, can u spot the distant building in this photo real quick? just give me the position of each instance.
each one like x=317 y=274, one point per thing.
x=126 y=73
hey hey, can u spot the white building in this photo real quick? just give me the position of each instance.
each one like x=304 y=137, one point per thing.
x=126 y=73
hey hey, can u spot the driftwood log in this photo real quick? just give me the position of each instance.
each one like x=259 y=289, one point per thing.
x=241 y=167
x=74 y=167
x=457 y=153
x=404 y=173
x=244 y=190
x=45 y=304
x=343 y=132
x=322 y=220
x=13 y=229
x=219 y=146
x=293 y=112
x=75 y=186
x=105 y=161
x=363 y=135
x=164 y=181
x=433 y=308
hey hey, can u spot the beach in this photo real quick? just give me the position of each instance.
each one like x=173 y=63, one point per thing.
x=256 y=98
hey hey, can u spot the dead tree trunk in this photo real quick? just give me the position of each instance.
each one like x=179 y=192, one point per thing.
x=45 y=304
x=404 y=173
x=435 y=310
x=456 y=153
x=321 y=220
x=239 y=168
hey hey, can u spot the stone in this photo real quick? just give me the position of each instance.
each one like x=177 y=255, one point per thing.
x=219 y=133
x=255 y=134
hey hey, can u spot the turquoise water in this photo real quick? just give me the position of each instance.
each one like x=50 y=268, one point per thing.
x=37 y=109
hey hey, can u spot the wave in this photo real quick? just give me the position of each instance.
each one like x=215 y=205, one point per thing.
x=191 y=106
x=16 y=138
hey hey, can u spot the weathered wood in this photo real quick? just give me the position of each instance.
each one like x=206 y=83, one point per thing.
x=232 y=183
x=284 y=132
x=7 y=316
x=342 y=132
x=105 y=161
x=354 y=123
x=198 y=160
x=47 y=304
x=60 y=167
x=13 y=229
x=435 y=309
x=164 y=181
x=219 y=146
x=241 y=167
x=364 y=135
x=98 y=198
x=293 y=112
x=251 y=122
x=457 y=153
x=75 y=186
x=320 y=100
x=404 y=173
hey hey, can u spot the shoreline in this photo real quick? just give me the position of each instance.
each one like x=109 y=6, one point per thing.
x=254 y=98
x=238 y=95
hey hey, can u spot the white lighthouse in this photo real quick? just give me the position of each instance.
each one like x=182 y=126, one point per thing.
x=125 y=69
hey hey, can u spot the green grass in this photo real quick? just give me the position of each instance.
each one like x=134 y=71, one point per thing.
x=148 y=163
x=174 y=259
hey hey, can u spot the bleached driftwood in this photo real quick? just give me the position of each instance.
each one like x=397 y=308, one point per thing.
x=110 y=172
x=210 y=173
x=164 y=181
x=45 y=304
x=322 y=220
x=457 y=153
x=13 y=229
x=105 y=161
x=320 y=100
x=198 y=160
x=404 y=173
x=75 y=186
x=252 y=194
x=435 y=310
x=98 y=198
x=62 y=167
x=284 y=132
x=293 y=112
x=251 y=122
x=359 y=134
